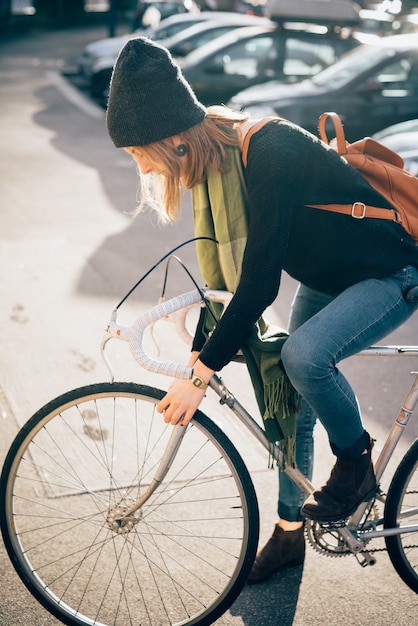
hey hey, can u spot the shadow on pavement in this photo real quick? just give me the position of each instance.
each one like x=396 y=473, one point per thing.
x=122 y=257
x=270 y=603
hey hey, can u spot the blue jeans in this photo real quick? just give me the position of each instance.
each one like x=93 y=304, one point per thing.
x=324 y=330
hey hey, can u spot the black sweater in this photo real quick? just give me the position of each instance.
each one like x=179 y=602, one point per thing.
x=288 y=169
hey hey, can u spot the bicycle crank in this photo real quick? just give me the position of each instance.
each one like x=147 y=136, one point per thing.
x=326 y=539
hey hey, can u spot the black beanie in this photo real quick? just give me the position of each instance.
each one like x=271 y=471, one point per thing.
x=149 y=98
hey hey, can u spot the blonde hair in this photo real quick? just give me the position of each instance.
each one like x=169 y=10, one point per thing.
x=207 y=144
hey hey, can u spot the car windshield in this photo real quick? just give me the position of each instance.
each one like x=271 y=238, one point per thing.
x=351 y=65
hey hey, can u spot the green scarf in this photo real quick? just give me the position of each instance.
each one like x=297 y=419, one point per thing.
x=220 y=211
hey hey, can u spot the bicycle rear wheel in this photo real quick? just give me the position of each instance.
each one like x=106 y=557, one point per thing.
x=187 y=553
x=402 y=509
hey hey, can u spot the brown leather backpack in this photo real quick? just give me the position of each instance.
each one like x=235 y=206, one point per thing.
x=381 y=167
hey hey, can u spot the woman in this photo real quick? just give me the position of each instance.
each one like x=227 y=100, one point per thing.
x=353 y=273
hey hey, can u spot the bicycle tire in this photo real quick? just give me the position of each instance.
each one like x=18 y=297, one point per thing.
x=403 y=497
x=189 y=552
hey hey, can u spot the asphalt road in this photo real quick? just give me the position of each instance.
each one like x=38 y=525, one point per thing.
x=69 y=252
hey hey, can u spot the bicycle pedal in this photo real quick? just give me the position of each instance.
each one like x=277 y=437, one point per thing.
x=341 y=523
x=365 y=559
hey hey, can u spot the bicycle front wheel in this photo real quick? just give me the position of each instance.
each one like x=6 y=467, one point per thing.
x=183 y=557
x=402 y=510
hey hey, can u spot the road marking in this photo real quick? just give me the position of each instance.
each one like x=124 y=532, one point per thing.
x=73 y=95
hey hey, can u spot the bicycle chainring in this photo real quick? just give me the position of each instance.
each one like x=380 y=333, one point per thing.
x=326 y=539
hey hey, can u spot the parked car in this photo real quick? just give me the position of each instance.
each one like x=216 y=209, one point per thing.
x=403 y=139
x=370 y=88
x=308 y=35
x=104 y=51
x=180 y=33
x=196 y=36
x=254 y=55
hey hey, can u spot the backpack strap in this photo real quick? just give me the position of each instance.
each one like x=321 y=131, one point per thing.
x=339 y=130
x=359 y=210
x=255 y=126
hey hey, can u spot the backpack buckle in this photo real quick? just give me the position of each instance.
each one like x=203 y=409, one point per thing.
x=358 y=206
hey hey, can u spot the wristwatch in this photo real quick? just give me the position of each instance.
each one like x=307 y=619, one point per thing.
x=199 y=382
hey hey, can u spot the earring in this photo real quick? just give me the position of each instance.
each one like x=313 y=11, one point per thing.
x=181 y=150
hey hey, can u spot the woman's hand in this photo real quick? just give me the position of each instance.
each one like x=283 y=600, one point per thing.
x=183 y=398
x=181 y=402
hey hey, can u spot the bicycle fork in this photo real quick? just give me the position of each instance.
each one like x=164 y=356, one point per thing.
x=121 y=518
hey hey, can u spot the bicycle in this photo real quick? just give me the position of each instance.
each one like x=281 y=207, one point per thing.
x=110 y=516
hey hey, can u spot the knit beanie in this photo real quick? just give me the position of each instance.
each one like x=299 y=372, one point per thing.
x=149 y=98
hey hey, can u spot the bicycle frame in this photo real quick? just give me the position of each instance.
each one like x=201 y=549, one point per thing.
x=110 y=515
x=175 y=310
x=353 y=542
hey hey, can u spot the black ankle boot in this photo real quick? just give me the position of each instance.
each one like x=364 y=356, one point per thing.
x=351 y=482
x=285 y=548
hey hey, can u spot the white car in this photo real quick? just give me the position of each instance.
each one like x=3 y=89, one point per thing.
x=403 y=139
x=104 y=51
x=96 y=63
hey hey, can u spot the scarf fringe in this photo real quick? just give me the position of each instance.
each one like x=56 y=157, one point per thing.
x=281 y=402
